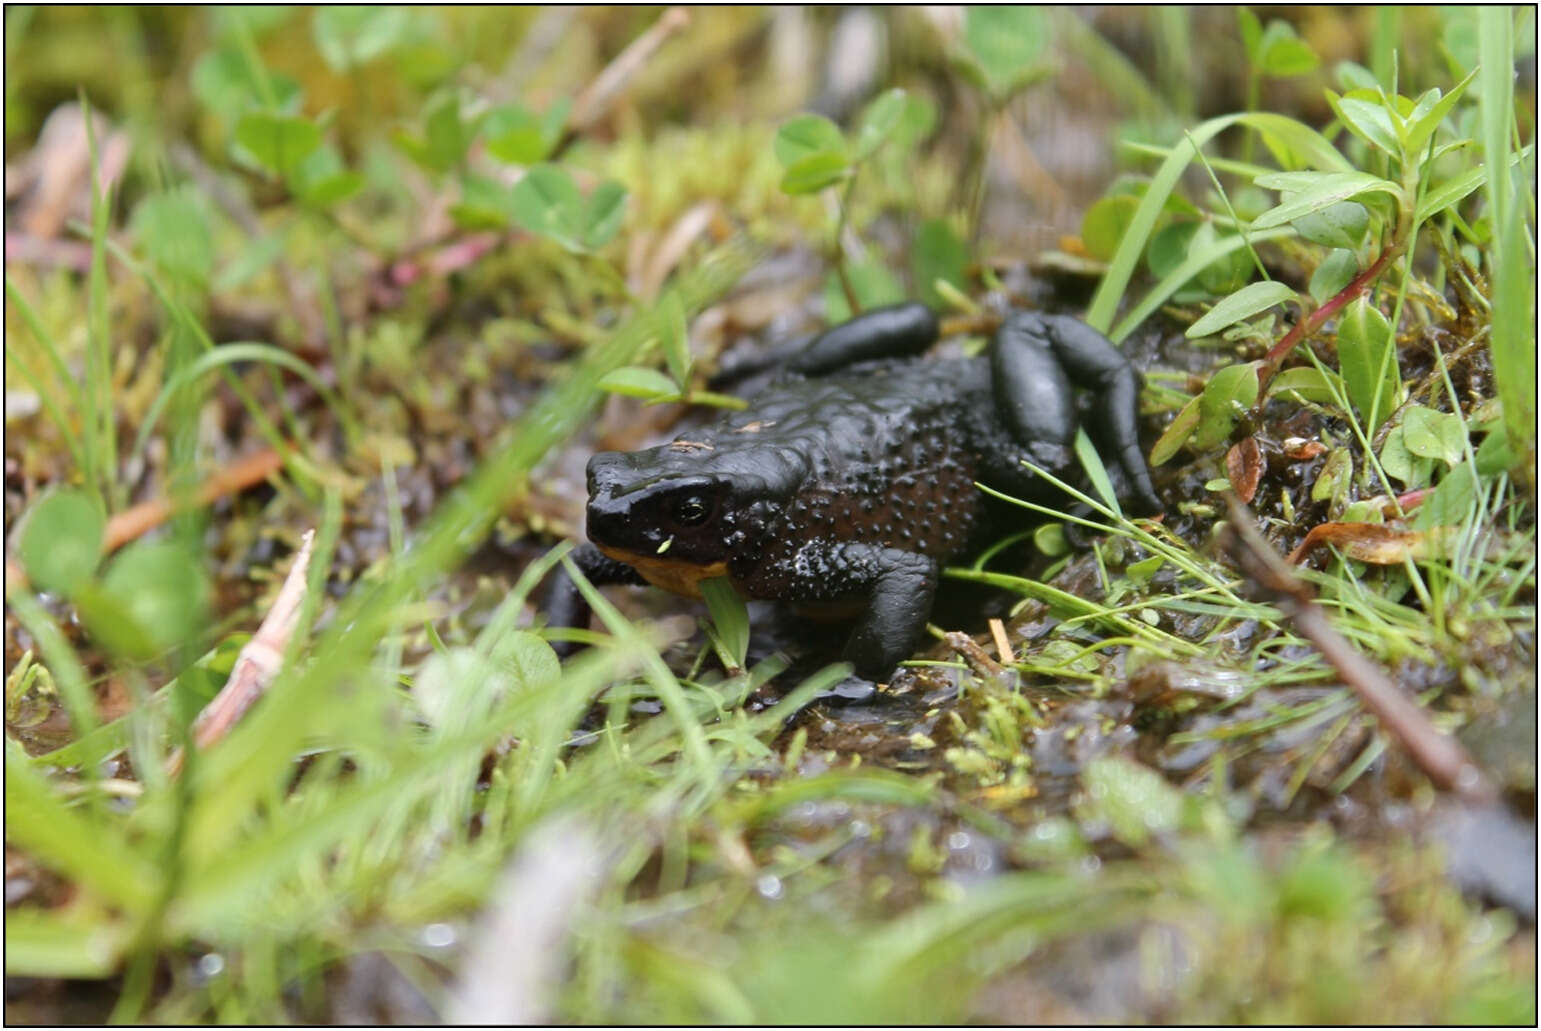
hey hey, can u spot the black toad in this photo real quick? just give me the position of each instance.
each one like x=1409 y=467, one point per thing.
x=851 y=483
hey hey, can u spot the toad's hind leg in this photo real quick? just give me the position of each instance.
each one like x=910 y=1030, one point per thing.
x=897 y=331
x=1035 y=360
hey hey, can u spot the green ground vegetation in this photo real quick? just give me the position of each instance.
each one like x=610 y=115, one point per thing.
x=411 y=253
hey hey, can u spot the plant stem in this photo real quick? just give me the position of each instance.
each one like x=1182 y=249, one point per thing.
x=840 y=223
x=1313 y=322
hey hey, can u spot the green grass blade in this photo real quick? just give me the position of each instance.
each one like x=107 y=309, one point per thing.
x=1310 y=145
x=100 y=418
x=1191 y=266
x=1513 y=270
x=92 y=852
x=62 y=943
x=229 y=354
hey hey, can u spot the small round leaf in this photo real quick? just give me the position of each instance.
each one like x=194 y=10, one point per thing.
x=1335 y=272
x=816 y=171
x=1105 y=223
x=805 y=136
x=877 y=122
x=160 y=590
x=61 y=541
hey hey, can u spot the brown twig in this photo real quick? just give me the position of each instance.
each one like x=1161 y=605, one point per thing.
x=259 y=661
x=595 y=101
x=1439 y=755
x=1002 y=644
x=135 y=522
x=961 y=325
x=976 y=657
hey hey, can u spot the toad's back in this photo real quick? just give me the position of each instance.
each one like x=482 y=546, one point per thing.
x=892 y=451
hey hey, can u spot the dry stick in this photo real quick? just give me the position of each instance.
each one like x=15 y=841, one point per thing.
x=258 y=663
x=133 y=523
x=976 y=657
x=1002 y=645
x=602 y=92
x=1439 y=755
x=971 y=324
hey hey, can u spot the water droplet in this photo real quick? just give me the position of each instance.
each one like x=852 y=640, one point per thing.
x=769 y=886
x=958 y=841
x=439 y=936
x=211 y=964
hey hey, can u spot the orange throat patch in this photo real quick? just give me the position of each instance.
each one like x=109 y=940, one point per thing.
x=675 y=575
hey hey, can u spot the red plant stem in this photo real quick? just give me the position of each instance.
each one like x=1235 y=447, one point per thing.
x=1313 y=322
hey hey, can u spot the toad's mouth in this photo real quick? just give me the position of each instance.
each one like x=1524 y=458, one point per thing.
x=672 y=574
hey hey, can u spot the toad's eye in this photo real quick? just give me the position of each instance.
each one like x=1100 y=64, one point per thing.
x=691 y=511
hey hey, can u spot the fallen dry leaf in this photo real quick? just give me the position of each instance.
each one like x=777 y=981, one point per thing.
x=1244 y=468
x=1376 y=543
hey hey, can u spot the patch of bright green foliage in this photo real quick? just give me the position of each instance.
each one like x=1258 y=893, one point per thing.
x=370 y=797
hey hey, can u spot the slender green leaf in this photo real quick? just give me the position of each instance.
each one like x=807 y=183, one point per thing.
x=227 y=354
x=1458 y=188
x=1243 y=304
x=730 y=621
x=1422 y=127
x=1366 y=354
x=1251 y=33
x=1330 y=189
x=1176 y=433
x=1096 y=472
x=1513 y=340
x=63 y=943
x=1196 y=261
x=673 y=336
x=1368 y=120
x=639 y=381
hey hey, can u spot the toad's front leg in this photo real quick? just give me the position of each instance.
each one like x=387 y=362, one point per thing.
x=894 y=589
x=565 y=605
